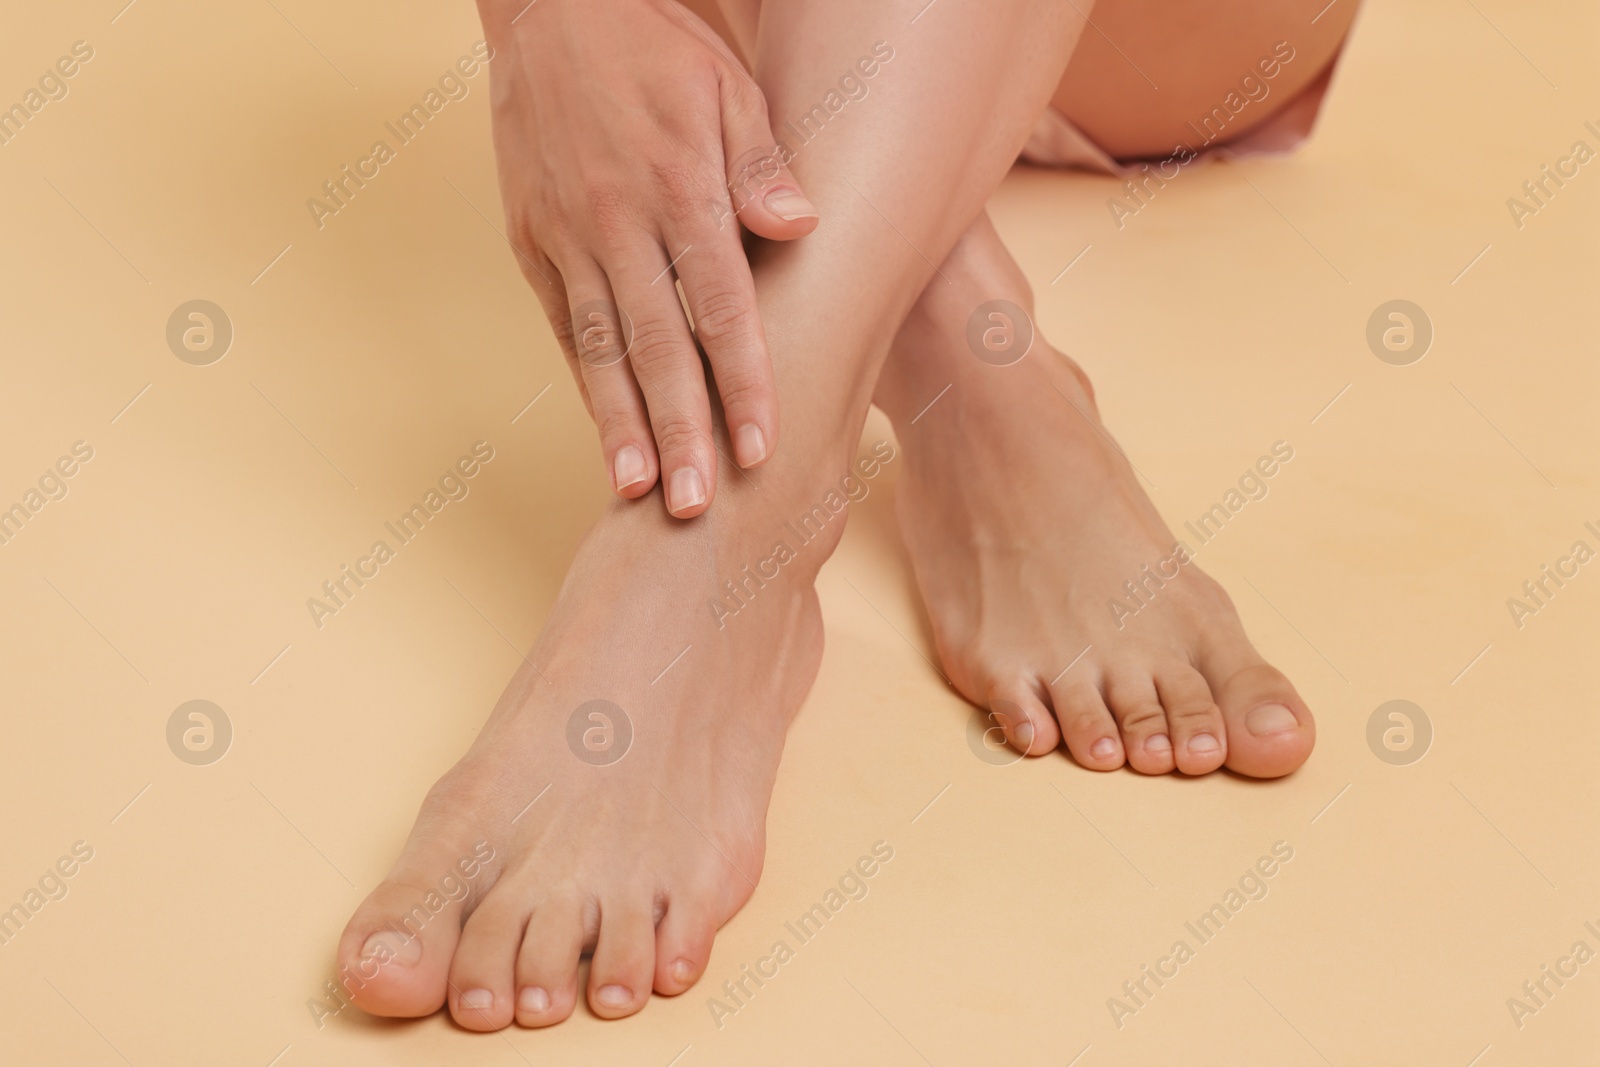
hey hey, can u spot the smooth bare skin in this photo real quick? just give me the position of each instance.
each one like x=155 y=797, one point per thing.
x=1024 y=519
x=1021 y=514
x=641 y=861
x=619 y=127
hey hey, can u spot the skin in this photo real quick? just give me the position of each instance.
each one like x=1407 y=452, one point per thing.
x=616 y=179
x=1022 y=516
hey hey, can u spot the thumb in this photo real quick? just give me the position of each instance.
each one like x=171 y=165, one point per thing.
x=763 y=194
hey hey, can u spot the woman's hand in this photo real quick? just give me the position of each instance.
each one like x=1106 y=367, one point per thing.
x=631 y=146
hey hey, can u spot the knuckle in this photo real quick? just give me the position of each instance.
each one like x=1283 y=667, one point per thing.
x=681 y=186
x=723 y=313
x=745 y=102
x=677 y=434
x=1194 y=713
x=655 y=348
x=1143 y=715
x=617 y=422
x=1085 y=722
x=610 y=209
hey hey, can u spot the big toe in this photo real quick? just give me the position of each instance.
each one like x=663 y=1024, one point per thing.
x=1270 y=729
x=395 y=953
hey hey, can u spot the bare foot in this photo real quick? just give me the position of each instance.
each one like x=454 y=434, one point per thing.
x=537 y=848
x=1024 y=522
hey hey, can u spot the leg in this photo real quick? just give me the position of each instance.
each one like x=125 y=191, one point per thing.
x=533 y=849
x=1015 y=462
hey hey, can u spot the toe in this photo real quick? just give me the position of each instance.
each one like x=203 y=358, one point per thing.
x=1028 y=724
x=1270 y=729
x=1132 y=697
x=623 y=970
x=1086 y=724
x=394 y=955
x=481 y=995
x=683 y=943
x=1199 y=741
x=547 y=966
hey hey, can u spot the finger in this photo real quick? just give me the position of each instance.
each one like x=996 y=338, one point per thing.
x=672 y=378
x=722 y=300
x=559 y=312
x=599 y=335
x=765 y=196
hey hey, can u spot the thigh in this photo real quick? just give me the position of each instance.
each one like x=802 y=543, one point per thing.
x=734 y=20
x=1147 y=73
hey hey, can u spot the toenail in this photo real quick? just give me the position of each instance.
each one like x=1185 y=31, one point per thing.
x=477 y=1000
x=682 y=971
x=1271 y=719
x=1103 y=748
x=533 y=999
x=688 y=490
x=1159 y=744
x=386 y=946
x=627 y=468
x=614 y=996
x=1203 y=745
x=749 y=445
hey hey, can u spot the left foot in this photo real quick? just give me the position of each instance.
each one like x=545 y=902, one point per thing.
x=1025 y=524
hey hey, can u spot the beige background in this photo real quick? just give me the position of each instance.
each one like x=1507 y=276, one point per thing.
x=1226 y=315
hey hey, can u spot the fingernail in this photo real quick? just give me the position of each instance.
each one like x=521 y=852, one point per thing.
x=1270 y=719
x=789 y=205
x=1158 y=744
x=1103 y=748
x=614 y=996
x=477 y=1000
x=749 y=445
x=389 y=947
x=682 y=971
x=627 y=467
x=688 y=490
x=1203 y=745
x=533 y=999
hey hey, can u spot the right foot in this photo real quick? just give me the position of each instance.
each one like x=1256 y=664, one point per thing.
x=638 y=861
